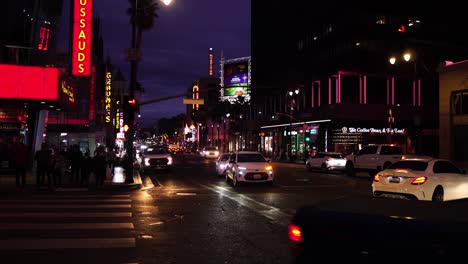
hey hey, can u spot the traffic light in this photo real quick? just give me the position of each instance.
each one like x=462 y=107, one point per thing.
x=307 y=139
x=274 y=116
x=130 y=107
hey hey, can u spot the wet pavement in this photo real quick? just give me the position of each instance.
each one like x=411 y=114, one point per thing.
x=188 y=215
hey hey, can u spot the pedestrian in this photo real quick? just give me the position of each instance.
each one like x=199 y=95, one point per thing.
x=21 y=162
x=86 y=169
x=75 y=162
x=51 y=167
x=110 y=157
x=42 y=157
x=100 y=166
x=60 y=166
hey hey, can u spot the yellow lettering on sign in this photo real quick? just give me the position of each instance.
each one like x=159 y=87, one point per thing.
x=82 y=12
x=82 y=35
x=81 y=56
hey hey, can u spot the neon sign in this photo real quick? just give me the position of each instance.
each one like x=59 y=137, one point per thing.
x=352 y=130
x=82 y=18
x=211 y=64
x=68 y=91
x=108 y=100
x=44 y=37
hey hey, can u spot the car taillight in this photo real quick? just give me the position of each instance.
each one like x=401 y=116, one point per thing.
x=295 y=233
x=376 y=178
x=419 y=180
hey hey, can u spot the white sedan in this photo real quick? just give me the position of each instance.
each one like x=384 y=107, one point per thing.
x=326 y=161
x=422 y=179
x=221 y=163
x=248 y=166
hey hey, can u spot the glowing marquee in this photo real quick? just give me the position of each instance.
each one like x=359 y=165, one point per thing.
x=82 y=18
x=108 y=100
x=211 y=64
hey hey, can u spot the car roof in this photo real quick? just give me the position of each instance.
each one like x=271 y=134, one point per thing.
x=334 y=153
x=248 y=152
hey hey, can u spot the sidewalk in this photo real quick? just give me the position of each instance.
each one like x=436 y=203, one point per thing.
x=111 y=183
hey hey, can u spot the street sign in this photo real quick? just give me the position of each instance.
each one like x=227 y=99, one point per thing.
x=194 y=101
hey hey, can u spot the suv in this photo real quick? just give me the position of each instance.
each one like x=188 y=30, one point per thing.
x=248 y=166
x=157 y=158
x=373 y=158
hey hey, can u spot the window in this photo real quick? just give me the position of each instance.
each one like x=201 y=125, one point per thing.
x=391 y=150
x=368 y=150
x=445 y=167
x=409 y=164
x=460 y=102
x=250 y=158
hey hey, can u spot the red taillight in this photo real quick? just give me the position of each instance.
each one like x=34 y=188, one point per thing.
x=295 y=233
x=376 y=178
x=419 y=180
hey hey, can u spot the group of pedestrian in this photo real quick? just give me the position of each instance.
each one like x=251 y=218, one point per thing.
x=52 y=165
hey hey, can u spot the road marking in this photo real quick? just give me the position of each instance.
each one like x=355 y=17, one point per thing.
x=64 y=226
x=270 y=212
x=316 y=186
x=81 y=243
x=64 y=215
x=158 y=182
x=186 y=194
x=68 y=201
x=64 y=206
x=302 y=180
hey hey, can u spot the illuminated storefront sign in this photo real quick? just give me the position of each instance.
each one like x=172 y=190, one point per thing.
x=108 y=99
x=352 y=130
x=44 y=37
x=68 y=91
x=117 y=114
x=82 y=18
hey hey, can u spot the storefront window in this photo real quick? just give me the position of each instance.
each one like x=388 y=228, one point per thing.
x=459 y=102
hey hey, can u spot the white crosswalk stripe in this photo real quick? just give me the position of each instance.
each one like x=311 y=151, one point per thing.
x=66 y=221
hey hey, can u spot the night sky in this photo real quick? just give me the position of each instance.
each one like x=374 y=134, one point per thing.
x=175 y=51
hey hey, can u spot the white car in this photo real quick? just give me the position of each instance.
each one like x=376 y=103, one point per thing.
x=248 y=166
x=157 y=158
x=326 y=161
x=210 y=152
x=422 y=179
x=221 y=163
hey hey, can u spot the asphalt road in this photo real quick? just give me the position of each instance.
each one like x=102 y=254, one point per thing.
x=191 y=215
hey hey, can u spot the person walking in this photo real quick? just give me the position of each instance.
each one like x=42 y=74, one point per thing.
x=110 y=157
x=42 y=157
x=21 y=162
x=100 y=167
x=75 y=162
x=59 y=168
x=86 y=169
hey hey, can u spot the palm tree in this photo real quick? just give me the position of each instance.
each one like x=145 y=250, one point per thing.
x=143 y=14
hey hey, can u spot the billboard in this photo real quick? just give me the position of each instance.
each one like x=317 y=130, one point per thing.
x=81 y=49
x=235 y=79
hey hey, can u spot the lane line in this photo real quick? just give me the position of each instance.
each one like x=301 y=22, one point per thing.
x=63 y=206
x=64 y=226
x=65 y=215
x=81 y=243
x=268 y=211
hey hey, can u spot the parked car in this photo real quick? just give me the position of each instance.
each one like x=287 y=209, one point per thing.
x=422 y=179
x=157 y=158
x=221 y=163
x=210 y=152
x=326 y=161
x=248 y=166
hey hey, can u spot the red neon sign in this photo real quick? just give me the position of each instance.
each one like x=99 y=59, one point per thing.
x=44 y=37
x=82 y=18
x=27 y=82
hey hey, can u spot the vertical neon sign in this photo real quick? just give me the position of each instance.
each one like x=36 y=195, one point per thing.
x=210 y=62
x=82 y=18
x=108 y=100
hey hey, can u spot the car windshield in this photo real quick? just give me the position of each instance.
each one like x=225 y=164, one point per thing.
x=156 y=151
x=225 y=157
x=250 y=158
x=416 y=165
x=211 y=148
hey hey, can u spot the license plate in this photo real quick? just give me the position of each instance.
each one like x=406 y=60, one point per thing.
x=257 y=176
x=394 y=179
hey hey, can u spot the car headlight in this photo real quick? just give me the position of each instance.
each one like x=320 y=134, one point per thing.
x=216 y=153
x=242 y=168
x=169 y=160
x=222 y=166
x=147 y=162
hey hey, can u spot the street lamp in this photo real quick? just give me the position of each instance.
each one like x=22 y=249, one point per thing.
x=392 y=60
x=167 y=2
x=291 y=109
x=407 y=56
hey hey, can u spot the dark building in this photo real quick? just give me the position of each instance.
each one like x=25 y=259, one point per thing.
x=337 y=56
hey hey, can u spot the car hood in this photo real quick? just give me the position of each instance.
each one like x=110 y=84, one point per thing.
x=253 y=165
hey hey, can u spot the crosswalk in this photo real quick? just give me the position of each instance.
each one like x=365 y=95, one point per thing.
x=66 y=221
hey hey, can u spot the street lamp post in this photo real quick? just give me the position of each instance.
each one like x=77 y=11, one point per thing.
x=292 y=94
